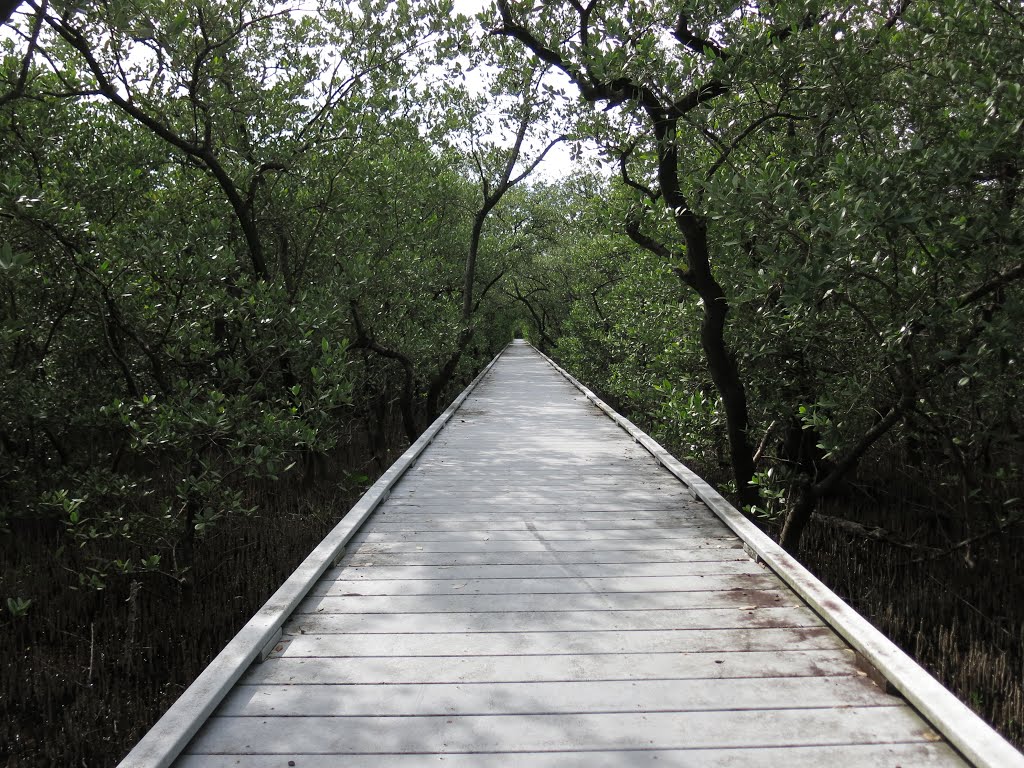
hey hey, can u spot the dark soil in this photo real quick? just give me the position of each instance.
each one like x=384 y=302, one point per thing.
x=86 y=673
x=957 y=610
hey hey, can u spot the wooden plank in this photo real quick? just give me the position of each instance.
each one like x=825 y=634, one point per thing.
x=683 y=539
x=549 y=456
x=552 y=698
x=497 y=545
x=545 y=621
x=662 y=535
x=513 y=466
x=499 y=733
x=567 y=503
x=676 y=526
x=707 y=555
x=505 y=472
x=522 y=586
x=456 y=483
x=510 y=603
x=760 y=651
x=545 y=515
x=459 y=488
x=621 y=500
x=915 y=755
x=593 y=438
x=382 y=669
x=364 y=568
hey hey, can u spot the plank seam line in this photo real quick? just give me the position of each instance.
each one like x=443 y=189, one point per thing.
x=488 y=536
x=687 y=750
x=532 y=551
x=694 y=609
x=728 y=590
x=560 y=595
x=769 y=591
x=172 y=732
x=549 y=683
x=362 y=567
x=968 y=733
x=566 y=713
x=570 y=576
x=532 y=594
x=441 y=568
x=548 y=680
x=775 y=653
x=390 y=633
x=384 y=634
x=815 y=631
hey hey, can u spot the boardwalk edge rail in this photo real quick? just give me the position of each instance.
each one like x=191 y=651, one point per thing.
x=968 y=733
x=164 y=742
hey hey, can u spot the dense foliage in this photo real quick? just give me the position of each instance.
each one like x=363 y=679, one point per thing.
x=227 y=240
x=241 y=239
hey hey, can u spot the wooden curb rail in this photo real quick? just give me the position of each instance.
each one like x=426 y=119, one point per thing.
x=172 y=732
x=969 y=734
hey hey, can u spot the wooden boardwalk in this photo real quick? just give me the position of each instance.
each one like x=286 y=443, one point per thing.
x=538 y=590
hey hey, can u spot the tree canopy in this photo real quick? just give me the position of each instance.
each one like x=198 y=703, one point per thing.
x=229 y=228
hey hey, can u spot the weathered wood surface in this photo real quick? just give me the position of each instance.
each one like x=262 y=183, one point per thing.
x=538 y=592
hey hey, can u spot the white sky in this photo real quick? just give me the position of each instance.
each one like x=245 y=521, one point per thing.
x=557 y=163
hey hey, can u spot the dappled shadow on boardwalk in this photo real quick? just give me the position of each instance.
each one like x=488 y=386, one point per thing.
x=538 y=591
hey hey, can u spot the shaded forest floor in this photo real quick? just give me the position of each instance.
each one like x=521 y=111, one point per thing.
x=957 y=610
x=86 y=673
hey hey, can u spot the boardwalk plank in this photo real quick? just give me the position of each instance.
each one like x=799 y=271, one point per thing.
x=915 y=755
x=568 y=503
x=546 y=621
x=386 y=525
x=557 y=602
x=665 y=536
x=509 y=733
x=647 y=584
x=540 y=516
x=621 y=498
x=455 y=484
x=385 y=670
x=502 y=545
x=506 y=475
x=552 y=698
x=708 y=557
x=677 y=538
x=363 y=568
x=681 y=652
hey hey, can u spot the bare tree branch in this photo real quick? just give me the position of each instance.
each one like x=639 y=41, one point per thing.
x=695 y=42
x=19 y=87
x=997 y=282
x=629 y=181
x=7 y=9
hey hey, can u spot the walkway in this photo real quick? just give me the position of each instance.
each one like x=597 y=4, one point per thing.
x=538 y=591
